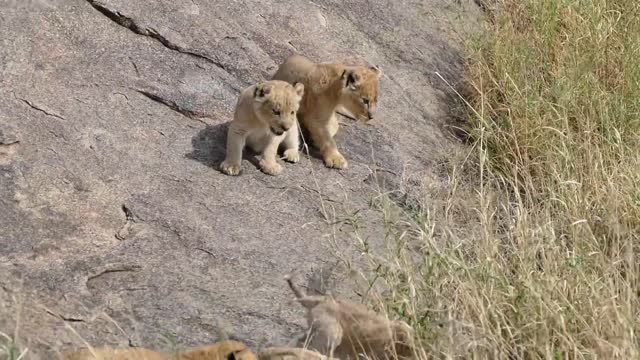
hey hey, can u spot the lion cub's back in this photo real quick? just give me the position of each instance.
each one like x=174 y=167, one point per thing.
x=295 y=68
x=115 y=354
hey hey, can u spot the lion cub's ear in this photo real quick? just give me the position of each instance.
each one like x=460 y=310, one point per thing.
x=299 y=89
x=351 y=79
x=376 y=69
x=261 y=92
x=231 y=356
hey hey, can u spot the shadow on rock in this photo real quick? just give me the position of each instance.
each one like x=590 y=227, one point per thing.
x=307 y=146
x=448 y=78
x=209 y=146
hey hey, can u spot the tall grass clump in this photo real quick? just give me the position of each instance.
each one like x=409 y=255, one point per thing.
x=531 y=248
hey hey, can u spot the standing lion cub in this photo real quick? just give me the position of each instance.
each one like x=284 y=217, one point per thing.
x=265 y=117
x=327 y=87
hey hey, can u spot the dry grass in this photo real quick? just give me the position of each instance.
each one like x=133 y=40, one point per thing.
x=9 y=347
x=530 y=249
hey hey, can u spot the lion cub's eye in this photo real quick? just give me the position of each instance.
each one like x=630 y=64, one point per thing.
x=276 y=112
x=292 y=112
x=365 y=101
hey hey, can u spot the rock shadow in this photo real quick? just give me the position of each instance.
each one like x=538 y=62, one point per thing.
x=209 y=147
x=307 y=146
x=449 y=64
x=357 y=143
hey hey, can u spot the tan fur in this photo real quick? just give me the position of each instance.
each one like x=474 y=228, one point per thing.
x=223 y=350
x=114 y=354
x=327 y=87
x=290 y=353
x=265 y=118
x=343 y=329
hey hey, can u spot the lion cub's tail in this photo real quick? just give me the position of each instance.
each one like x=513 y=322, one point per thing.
x=302 y=297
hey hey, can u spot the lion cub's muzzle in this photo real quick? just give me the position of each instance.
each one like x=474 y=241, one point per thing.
x=365 y=118
x=277 y=131
x=371 y=112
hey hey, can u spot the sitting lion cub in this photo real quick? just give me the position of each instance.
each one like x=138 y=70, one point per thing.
x=327 y=87
x=223 y=350
x=265 y=117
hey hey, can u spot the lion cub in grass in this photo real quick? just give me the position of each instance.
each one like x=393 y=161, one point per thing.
x=265 y=117
x=328 y=87
x=345 y=330
x=223 y=350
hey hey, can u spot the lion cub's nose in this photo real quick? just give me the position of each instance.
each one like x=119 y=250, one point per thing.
x=370 y=115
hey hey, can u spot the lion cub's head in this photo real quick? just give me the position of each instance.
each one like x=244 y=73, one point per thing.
x=360 y=91
x=276 y=103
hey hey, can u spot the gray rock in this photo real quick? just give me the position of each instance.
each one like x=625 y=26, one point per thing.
x=116 y=227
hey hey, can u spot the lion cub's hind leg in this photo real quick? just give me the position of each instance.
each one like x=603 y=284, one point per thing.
x=257 y=141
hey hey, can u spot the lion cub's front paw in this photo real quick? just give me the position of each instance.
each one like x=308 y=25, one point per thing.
x=270 y=167
x=336 y=161
x=230 y=169
x=292 y=155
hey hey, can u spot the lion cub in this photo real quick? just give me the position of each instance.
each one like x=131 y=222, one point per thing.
x=327 y=87
x=290 y=353
x=265 y=117
x=114 y=354
x=223 y=350
x=342 y=329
